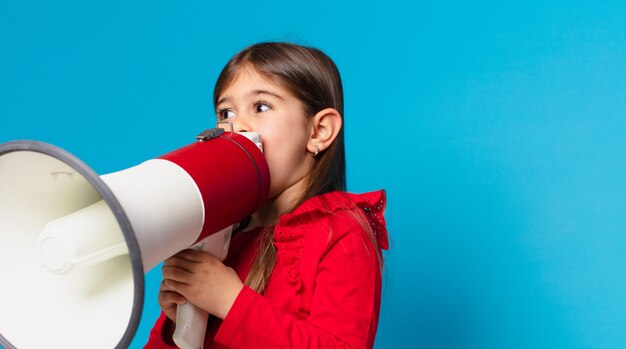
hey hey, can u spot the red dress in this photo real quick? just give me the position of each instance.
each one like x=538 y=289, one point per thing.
x=325 y=289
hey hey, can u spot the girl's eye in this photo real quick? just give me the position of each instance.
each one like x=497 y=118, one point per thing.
x=225 y=114
x=262 y=107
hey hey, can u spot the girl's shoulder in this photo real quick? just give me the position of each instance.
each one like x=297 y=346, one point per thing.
x=319 y=223
x=335 y=212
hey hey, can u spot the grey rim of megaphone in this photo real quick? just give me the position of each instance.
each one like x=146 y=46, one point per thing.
x=108 y=197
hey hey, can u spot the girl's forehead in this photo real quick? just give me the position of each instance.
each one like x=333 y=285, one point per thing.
x=248 y=78
x=248 y=74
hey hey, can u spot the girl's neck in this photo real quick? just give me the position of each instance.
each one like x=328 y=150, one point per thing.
x=275 y=207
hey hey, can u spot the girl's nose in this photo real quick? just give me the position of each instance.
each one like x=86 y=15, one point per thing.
x=240 y=124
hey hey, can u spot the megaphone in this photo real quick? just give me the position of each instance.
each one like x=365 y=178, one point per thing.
x=74 y=246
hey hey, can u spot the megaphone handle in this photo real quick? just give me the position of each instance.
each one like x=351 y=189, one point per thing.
x=191 y=321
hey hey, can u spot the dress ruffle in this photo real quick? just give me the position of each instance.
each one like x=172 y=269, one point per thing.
x=292 y=227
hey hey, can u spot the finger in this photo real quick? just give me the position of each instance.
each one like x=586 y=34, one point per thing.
x=169 y=298
x=175 y=274
x=176 y=286
x=194 y=256
x=163 y=288
x=180 y=263
x=189 y=260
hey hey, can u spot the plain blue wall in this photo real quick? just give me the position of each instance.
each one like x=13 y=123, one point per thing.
x=499 y=132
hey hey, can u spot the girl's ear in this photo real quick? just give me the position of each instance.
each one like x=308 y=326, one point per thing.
x=325 y=127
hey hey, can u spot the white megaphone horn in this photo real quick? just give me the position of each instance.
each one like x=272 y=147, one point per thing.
x=74 y=246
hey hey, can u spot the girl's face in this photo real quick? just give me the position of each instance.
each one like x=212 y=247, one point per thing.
x=256 y=104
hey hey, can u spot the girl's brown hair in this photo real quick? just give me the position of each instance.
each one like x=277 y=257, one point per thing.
x=311 y=76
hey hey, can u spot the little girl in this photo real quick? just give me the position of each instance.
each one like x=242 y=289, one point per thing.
x=306 y=269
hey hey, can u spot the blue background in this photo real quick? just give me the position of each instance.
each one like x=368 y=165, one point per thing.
x=498 y=130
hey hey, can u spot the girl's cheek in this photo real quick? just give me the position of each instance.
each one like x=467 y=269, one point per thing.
x=277 y=172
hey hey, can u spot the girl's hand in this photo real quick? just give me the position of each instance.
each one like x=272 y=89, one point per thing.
x=169 y=301
x=202 y=280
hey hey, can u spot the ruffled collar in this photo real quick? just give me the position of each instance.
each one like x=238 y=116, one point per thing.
x=372 y=203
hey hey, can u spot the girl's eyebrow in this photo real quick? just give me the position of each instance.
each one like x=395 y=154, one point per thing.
x=252 y=93
x=265 y=92
x=221 y=100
